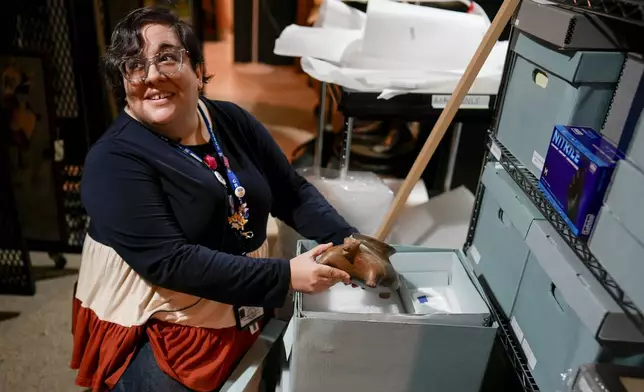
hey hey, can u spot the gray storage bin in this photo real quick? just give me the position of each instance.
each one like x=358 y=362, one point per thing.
x=499 y=251
x=553 y=338
x=594 y=306
x=625 y=198
x=548 y=87
x=560 y=311
x=564 y=28
x=621 y=254
x=635 y=152
x=375 y=347
x=627 y=105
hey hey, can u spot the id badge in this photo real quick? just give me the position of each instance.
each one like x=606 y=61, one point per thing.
x=248 y=317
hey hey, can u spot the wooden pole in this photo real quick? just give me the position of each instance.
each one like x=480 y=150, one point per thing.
x=447 y=115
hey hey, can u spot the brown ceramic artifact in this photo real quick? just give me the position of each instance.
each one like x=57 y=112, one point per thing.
x=364 y=258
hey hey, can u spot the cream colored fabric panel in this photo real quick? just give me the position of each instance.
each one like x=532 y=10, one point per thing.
x=115 y=293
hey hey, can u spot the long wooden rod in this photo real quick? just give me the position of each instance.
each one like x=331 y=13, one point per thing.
x=447 y=115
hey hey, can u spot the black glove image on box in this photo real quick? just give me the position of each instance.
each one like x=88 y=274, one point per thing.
x=575 y=190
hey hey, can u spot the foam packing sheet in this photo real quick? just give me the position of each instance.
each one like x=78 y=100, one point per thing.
x=348 y=299
x=394 y=48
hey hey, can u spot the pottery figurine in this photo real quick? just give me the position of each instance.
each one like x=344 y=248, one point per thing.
x=364 y=258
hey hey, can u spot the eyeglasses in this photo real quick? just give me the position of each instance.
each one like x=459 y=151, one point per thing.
x=167 y=62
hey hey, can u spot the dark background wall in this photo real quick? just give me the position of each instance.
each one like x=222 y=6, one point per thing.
x=274 y=16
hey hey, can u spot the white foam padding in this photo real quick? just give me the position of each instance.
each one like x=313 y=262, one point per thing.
x=348 y=299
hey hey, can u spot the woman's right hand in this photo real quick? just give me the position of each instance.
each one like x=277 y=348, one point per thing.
x=309 y=277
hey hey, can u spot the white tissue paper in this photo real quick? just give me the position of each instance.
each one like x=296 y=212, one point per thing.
x=334 y=13
x=435 y=300
x=395 y=48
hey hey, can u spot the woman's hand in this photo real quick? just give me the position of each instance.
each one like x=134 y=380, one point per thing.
x=309 y=277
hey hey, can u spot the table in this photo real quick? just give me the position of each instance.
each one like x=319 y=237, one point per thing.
x=413 y=107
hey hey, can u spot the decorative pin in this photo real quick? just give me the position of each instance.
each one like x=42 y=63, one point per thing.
x=220 y=178
x=210 y=162
x=240 y=191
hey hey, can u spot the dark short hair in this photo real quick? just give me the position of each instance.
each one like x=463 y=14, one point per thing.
x=127 y=41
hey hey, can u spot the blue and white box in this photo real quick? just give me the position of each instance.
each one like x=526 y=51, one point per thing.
x=578 y=167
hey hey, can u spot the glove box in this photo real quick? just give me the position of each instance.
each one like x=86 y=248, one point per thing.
x=418 y=340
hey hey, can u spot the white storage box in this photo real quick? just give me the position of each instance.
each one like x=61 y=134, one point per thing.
x=423 y=338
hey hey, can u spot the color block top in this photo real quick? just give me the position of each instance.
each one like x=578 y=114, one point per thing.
x=160 y=260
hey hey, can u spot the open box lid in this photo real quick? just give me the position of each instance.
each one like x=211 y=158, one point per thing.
x=449 y=273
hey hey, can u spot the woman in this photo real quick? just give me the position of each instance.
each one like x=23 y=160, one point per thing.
x=179 y=189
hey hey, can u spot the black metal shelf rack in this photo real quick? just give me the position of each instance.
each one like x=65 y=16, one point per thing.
x=629 y=11
x=506 y=335
x=529 y=184
x=513 y=351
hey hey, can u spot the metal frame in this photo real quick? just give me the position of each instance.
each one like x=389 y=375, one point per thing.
x=529 y=184
x=512 y=349
x=629 y=11
x=505 y=333
x=335 y=93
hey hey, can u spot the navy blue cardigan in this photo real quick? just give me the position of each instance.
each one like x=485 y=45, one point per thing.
x=165 y=214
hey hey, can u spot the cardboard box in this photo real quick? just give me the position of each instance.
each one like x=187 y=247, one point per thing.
x=348 y=339
x=564 y=28
x=576 y=173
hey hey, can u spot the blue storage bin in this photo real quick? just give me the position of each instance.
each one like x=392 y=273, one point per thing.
x=499 y=251
x=548 y=87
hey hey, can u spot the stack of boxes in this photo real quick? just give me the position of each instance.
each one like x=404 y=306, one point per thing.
x=570 y=107
x=618 y=238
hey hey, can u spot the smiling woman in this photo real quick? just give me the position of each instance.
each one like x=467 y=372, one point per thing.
x=175 y=279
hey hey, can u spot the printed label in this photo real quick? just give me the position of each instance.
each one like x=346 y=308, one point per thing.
x=476 y=256
x=248 y=315
x=59 y=150
x=588 y=224
x=517 y=330
x=469 y=102
x=583 y=385
x=529 y=355
x=496 y=151
x=537 y=160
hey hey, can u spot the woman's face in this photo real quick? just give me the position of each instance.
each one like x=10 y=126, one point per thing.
x=162 y=98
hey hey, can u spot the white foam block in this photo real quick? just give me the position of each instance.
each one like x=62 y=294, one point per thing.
x=347 y=299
